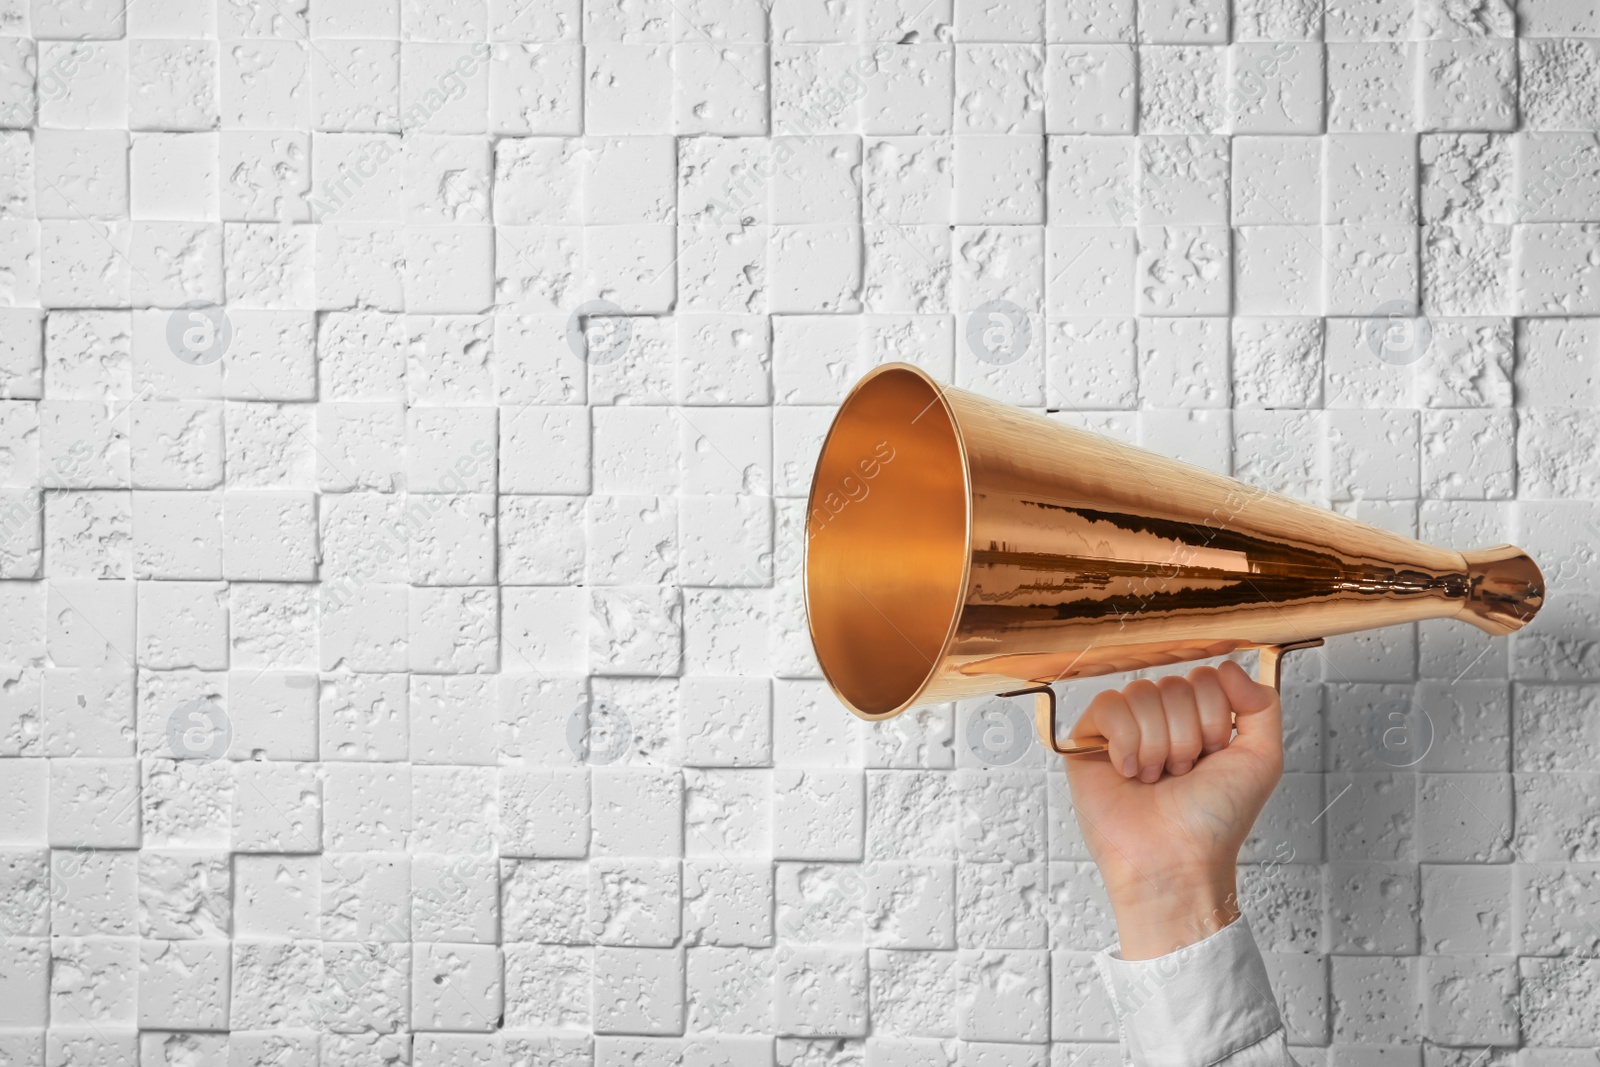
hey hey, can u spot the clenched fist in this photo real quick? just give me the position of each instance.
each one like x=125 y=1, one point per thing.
x=1165 y=817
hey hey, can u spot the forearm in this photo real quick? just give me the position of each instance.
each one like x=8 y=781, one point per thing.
x=1188 y=985
x=1162 y=911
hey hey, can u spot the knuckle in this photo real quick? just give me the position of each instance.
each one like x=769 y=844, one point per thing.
x=1141 y=687
x=1174 y=684
x=1105 y=700
x=1114 y=719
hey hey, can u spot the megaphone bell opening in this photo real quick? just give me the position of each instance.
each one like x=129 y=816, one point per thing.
x=887 y=528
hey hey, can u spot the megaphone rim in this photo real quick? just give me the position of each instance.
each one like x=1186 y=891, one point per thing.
x=938 y=388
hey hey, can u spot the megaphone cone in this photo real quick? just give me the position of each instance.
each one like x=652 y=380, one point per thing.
x=956 y=547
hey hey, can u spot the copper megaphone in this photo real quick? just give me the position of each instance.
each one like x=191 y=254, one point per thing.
x=957 y=547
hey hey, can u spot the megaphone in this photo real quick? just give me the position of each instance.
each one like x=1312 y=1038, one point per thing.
x=958 y=547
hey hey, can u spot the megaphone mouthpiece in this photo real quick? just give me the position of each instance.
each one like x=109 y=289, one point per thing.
x=1506 y=589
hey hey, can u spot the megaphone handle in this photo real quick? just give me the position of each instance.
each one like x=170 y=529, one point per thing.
x=1044 y=721
x=1269 y=660
x=1044 y=714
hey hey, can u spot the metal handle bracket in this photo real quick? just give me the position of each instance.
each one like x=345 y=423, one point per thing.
x=1269 y=671
x=1044 y=721
x=1269 y=660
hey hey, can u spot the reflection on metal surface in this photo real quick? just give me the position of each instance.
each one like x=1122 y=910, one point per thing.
x=1001 y=550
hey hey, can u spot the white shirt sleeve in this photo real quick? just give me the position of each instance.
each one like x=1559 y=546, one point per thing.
x=1206 y=1003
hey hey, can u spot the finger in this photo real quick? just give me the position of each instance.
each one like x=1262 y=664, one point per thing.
x=1183 y=723
x=1216 y=713
x=1256 y=712
x=1144 y=700
x=1109 y=716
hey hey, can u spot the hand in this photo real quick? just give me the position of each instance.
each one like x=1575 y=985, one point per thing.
x=1165 y=817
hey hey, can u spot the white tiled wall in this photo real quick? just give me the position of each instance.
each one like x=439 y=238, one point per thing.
x=366 y=571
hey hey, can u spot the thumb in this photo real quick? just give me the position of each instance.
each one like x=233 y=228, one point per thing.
x=1257 y=712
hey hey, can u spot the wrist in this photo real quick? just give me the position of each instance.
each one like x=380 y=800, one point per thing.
x=1167 y=910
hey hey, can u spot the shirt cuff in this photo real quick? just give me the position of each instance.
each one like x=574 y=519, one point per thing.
x=1194 y=1006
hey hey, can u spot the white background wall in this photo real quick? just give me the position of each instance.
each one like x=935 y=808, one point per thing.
x=364 y=570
